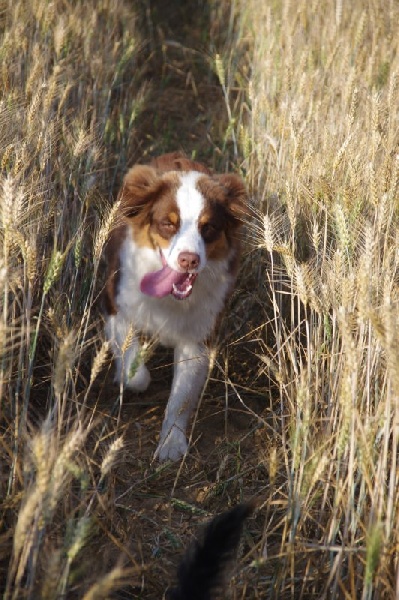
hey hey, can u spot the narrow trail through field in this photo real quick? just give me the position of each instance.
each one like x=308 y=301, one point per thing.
x=154 y=510
x=184 y=108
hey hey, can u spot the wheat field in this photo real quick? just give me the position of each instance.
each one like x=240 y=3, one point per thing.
x=319 y=138
x=68 y=104
x=304 y=399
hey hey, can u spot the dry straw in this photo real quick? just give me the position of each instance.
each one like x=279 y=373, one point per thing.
x=58 y=173
x=322 y=82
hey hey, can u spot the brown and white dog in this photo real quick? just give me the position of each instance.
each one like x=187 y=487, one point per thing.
x=171 y=264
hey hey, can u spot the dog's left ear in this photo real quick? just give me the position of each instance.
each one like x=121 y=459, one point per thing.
x=141 y=185
x=236 y=196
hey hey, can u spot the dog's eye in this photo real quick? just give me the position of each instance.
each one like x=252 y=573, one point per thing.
x=210 y=232
x=166 y=228
x=168 y=225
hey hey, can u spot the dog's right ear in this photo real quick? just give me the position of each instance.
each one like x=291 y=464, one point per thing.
x=140 y=187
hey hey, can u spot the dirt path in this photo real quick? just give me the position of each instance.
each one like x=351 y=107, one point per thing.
x=151 y=511
x=185 y=108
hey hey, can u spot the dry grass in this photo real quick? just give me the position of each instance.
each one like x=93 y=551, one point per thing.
x=319 y=138
x=84 y=511
x=309 y=371
x=68 y=102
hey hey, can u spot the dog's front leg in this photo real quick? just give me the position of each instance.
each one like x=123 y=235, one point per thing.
x=191 y=363
x=128 y=353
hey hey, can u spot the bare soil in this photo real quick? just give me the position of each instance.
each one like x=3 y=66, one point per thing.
x=151 y=511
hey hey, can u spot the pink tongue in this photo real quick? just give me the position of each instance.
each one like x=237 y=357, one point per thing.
x=160 y=283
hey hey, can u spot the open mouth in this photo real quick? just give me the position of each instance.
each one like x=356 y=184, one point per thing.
x=184 y=288
x=167 y=281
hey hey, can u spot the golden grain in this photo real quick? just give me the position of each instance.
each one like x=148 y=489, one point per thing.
x=220 y=71
x=64 y=362
x=99 y=361
x=268 y=233
x=314 y=97
x=56 y=80
x=106 y=584
x=337 y=170
x=111 y=456
x=108 y=224
x=53 y=271
x=130 y=335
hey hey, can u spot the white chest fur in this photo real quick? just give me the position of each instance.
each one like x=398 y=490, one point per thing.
x=172 y=321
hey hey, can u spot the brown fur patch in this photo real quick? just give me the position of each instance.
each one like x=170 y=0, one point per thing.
x=141 y=186
x=219 y=220
x=159 y=241
x=148 y=235
x=213 y=227
x=165 y=218
x=218 y=249
x=149 y=206
x=225 y=197
x=227 y=190
x=173 y=218
x=176 y=161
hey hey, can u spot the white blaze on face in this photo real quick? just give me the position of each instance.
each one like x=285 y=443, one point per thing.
x=188 y=239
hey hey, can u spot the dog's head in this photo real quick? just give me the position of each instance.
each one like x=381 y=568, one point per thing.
x=189 y=216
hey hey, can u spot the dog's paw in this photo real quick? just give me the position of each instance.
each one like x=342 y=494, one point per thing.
x=140 y=380
x=173 y=446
